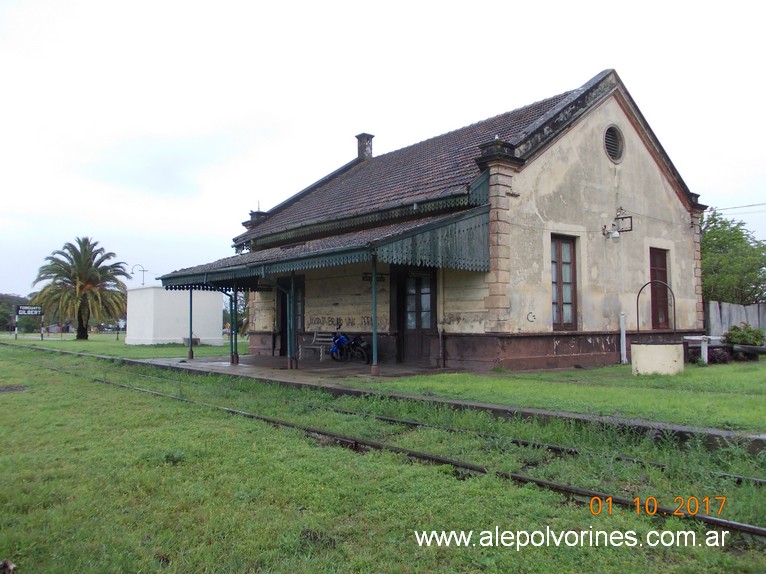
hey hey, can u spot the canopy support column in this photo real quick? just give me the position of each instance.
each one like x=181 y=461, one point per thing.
x=291 y=335
x=234 y=328
x=375 y=368
x=190 y=352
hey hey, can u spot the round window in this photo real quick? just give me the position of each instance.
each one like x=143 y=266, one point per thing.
x=614 y=143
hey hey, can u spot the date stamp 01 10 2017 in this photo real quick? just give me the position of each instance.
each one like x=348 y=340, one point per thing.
x=684 y=505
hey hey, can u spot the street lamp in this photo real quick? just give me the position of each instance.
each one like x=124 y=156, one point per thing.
x=143 y=271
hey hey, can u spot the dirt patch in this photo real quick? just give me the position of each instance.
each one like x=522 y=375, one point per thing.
x=12 y=389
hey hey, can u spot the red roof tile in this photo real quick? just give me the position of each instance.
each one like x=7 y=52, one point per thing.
x=412 y=174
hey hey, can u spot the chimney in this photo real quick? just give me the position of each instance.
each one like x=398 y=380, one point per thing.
x=364 y=146
x=255 y=218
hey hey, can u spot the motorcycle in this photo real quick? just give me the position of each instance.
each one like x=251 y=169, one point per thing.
x=345 y=349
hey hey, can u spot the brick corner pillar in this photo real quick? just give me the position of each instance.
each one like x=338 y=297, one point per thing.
x=498 y=157
x=697 y=233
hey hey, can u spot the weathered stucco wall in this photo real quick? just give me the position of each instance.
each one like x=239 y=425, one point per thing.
x=262 y=311
x=331 y=294
x=573 y=189
x=461 y=301
x=343 y=293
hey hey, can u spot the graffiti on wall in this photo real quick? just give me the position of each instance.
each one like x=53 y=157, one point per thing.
x=325 y=322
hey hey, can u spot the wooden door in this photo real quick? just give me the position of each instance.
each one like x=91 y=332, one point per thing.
x=658 y=271
x=416 y=315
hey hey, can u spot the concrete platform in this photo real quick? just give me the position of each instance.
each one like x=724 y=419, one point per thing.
x=309 y=371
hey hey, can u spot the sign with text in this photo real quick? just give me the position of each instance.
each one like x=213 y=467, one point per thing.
x=29 y=310
x=368 y=277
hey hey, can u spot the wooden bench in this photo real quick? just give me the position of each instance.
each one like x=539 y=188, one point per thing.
x=321 y=340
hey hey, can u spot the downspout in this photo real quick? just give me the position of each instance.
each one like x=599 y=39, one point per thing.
x=375 y=369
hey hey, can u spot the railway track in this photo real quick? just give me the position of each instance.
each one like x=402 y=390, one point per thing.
x=553 y=448
x=360 y=444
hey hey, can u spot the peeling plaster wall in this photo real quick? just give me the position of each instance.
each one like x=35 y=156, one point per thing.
x=341 y=292
x=331 y=294
x=573 y=189
x=263 y=311
x=461 y=302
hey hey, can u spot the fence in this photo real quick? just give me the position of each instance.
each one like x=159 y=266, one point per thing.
x=719 y=317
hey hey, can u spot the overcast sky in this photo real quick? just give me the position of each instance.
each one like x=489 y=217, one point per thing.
x=154 y=127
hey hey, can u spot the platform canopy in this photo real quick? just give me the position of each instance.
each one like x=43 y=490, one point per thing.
x=453 y=241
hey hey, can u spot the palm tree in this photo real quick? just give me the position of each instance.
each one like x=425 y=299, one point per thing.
x=82 y=284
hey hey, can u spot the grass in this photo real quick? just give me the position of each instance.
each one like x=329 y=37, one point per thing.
x=109 y=345
x=729 y=396
x=100 y=479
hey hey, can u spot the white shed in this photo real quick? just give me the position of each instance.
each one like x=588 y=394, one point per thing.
x=157 y=316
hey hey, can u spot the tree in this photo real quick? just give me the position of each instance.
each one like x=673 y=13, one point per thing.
x=733 y=262
x=82 y=284
x=8 y=309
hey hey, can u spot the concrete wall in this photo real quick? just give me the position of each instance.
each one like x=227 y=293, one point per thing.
x=665 y=359
x=722 y=316
x=157 y=316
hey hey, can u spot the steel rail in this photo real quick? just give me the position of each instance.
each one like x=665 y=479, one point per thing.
x=361 y=444
x=558 y=449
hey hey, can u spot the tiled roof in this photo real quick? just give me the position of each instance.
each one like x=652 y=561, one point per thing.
x=420 y=172
x=365 y=202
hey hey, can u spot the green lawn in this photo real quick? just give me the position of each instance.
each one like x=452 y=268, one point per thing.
x=101 y=479
x=112 y=346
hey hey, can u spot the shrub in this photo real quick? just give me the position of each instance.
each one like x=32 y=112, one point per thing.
x=718 y=356
x=745 y=335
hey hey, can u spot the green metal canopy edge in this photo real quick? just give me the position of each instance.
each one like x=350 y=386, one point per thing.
x=458 y=241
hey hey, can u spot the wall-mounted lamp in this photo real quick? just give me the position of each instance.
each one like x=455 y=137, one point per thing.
x=613 y=233
x=621 y=224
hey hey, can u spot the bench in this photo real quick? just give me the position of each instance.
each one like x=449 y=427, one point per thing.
x=318 y=343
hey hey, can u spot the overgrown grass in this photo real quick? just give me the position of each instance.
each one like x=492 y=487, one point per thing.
x=101 y=479
x=729 y=396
